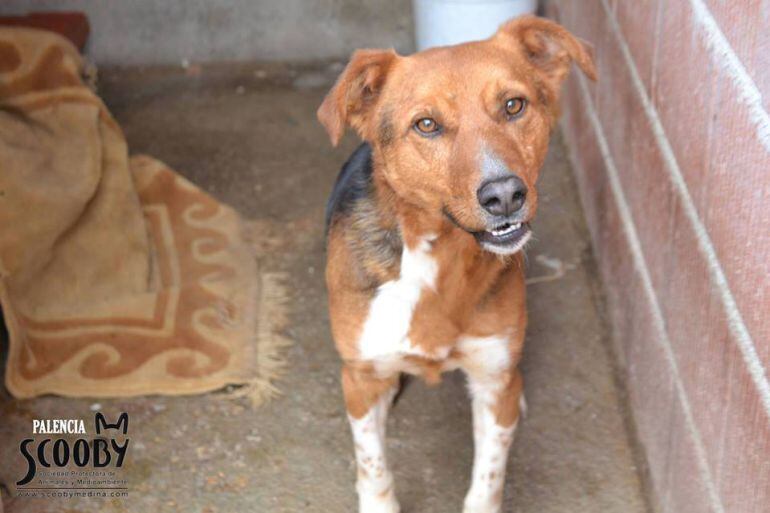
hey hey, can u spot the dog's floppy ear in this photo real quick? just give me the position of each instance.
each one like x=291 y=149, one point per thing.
x=549 y=47
x=356 y=91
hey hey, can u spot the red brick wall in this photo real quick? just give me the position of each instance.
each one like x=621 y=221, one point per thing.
x=672 y=153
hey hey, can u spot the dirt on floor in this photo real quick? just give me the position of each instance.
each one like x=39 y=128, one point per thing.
x=248 y=135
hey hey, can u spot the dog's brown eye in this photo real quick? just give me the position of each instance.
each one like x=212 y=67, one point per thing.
x=514 y=106
x=426 y=126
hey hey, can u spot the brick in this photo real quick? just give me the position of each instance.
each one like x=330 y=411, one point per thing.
x=617 y=267
x=744 y=473
x=736 y=211
x=739 y=22
x=638 y=21
x=615 y=99
x=684 y=94
x=648 y=191
x=711 y=366
x=641 y=167
x=697 y=327
x=649 y=380
x=651 y=197
x=586 y=20
x=732 y=200
x=744 y=25
x=724 y=177
x=651 y=386
x=584 y=151
x=760 y=65
x=685 y=488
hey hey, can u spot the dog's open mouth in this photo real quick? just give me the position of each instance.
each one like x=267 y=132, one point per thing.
x=505 y=238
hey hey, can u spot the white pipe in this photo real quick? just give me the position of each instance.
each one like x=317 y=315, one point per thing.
x=449 y=22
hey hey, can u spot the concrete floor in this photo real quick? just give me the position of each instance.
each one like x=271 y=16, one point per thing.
x=249 y=136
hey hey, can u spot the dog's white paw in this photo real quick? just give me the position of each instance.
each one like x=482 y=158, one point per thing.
x=480 y=509
x=378 y=503
x=481 y=505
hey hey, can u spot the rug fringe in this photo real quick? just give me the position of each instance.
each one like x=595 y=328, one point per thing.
x=272 y=319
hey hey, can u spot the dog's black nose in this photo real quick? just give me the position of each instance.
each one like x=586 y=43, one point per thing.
x=502 y=196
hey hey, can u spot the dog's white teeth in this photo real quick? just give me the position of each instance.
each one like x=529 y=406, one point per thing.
x=505 y=231
x=508 y=229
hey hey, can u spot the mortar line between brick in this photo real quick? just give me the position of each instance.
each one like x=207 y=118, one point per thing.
x=641 y=268
x=735 y=319
x=724 y=54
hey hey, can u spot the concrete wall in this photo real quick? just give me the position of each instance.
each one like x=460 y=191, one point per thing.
x=672 y=152
x=168 y=31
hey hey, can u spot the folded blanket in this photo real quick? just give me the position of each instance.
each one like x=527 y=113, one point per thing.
x=117 y=277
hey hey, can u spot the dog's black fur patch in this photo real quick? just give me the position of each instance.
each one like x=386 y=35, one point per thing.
x=353 y=183
x=371 y=234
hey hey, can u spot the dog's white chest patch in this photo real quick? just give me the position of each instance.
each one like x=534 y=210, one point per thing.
x=386 y=329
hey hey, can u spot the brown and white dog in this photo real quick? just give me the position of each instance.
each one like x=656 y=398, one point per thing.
x=425 y=227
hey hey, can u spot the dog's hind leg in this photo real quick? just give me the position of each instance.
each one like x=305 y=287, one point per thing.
x=497 y=402
x=367 y=399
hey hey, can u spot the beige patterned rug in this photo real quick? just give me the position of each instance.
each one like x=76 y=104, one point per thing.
x=117 y=277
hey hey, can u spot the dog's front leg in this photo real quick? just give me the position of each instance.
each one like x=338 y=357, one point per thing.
x=367 y=399
x=497 y=401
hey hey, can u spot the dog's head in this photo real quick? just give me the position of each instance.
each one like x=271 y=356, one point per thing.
x=462 y=131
